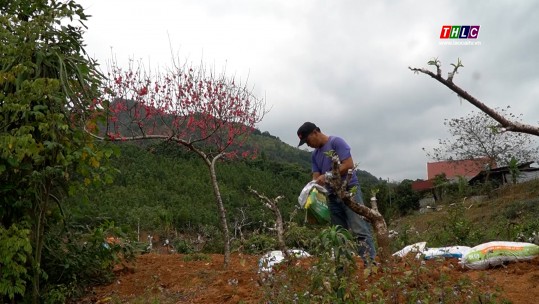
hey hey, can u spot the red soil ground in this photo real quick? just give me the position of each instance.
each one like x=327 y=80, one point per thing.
x=169 y=278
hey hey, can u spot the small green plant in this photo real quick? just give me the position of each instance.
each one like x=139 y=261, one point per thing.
x=455 y=228
x=183 y=246
x=301 y=237
x=406 y=282
x=513 y=169
x=214 y=239
x=259 y=243
x=464 y=188
x=337 y=243
x=329 y=278
x=336 y=265
x=60 y=293
x=407 y=235
x=197 y=256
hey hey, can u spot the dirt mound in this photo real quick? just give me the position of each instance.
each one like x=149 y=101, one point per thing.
x=176 y=278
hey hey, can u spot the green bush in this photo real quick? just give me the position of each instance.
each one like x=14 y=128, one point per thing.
x=455 y=229
x=14 y=248
x=407 y=235
x=54 y=294
x=84 y=258
x=260 y=243
x=329 y=280
x=197 y=256
x=183 y=246
x=301 y=237
x=214 y=237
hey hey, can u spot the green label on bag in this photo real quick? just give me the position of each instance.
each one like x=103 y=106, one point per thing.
x=317 y=206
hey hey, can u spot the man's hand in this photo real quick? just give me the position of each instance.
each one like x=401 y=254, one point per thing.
x=321 y=179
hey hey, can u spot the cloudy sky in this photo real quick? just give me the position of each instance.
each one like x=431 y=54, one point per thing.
x=342 y=64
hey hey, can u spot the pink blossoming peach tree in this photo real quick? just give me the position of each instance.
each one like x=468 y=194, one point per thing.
x=210 y=114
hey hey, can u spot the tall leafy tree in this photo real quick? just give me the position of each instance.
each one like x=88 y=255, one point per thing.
x=477 y=136
x=211 y=115
x=406 y=199
x=46 y=83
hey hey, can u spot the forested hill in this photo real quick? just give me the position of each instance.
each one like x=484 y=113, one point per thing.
x=272 y=148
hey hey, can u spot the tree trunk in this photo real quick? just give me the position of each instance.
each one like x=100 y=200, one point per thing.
x=40 y=212
x=280 y=230
x=378 y=223
x=221 y=208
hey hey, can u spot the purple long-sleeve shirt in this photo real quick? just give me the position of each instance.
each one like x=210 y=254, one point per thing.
x=322 y=163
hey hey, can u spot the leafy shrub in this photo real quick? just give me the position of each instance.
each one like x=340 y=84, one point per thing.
x=260 y=243
x=84 y=258
x=522 y=220
x=407 y=235
x=183 y=246
x=330 y=278
x=455 y=229
x=14 y=249
x=197 y=256
x=300 y=236
x=60 y=293
x=214 y=239
x=522 y=208
x=406 y=199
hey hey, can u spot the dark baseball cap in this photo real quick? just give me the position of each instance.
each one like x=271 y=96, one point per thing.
x=304 y=131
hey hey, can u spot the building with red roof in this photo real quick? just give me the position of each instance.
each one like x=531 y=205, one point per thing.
x=467 y=168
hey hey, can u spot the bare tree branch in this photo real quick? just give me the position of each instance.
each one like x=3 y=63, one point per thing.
x=506 y=124
x=279 y=226
x=371 y=214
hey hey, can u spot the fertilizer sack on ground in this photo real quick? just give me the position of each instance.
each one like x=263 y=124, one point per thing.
x=317 y=207
x=272 y=258
x=496 y=253
x=421 y=251
x=446 y=252
x=416 y=248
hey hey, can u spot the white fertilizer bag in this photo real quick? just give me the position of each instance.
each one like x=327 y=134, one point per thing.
x=268 y=260
x=496 y=253
x=446 y=252
x=417 y=248
x=302 y=198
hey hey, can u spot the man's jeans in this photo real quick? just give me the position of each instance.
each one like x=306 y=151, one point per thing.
x=344 y=216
